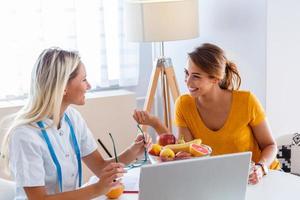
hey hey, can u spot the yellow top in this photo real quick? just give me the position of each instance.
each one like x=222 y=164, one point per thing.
x=235 y=135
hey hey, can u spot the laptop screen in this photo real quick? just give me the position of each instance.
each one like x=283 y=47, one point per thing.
x=222 y=177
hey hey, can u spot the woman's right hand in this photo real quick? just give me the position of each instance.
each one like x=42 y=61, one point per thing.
x=255 y=175
x=110 y=177
x=143 y=117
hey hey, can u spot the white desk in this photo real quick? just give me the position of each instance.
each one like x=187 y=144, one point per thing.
x=276 y=186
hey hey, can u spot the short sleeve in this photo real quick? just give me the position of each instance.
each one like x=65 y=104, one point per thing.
x=25 y=159
x=256 y=111
x=87 y=143
x=179 y=119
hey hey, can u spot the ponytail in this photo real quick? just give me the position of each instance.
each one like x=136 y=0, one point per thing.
x=232 y=79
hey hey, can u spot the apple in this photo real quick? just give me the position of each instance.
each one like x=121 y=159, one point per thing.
x=166 y=138
x=167 y=154
x=155 y=149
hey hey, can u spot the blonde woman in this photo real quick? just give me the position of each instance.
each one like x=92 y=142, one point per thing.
x=48 y=139
x=225 y=118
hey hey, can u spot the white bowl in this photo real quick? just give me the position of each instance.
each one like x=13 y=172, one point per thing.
x=156 y=159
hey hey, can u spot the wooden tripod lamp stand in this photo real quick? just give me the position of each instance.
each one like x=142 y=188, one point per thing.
x=163 y=70
x=160 y=21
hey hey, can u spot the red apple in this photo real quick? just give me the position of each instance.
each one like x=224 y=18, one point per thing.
x=165 y=139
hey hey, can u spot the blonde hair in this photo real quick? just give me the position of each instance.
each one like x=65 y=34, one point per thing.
x=50 y=75
x=211 y=59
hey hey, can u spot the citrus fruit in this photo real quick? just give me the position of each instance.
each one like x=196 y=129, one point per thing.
x=198 y=150
x=114 y=193
x=155 y=149
x=167 y=154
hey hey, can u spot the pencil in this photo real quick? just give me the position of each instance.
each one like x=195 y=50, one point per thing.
x=105 y=149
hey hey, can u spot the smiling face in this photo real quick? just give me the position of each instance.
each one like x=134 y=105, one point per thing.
x=77 y=87
x=199 y=83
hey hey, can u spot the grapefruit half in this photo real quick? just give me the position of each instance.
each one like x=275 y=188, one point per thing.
x=198 y=150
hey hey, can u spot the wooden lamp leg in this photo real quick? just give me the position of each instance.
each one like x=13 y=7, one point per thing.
x=172 y=87
x=172 y=82
x=169 y=84
x=151 y=91
x=164 y=95
x=168 y=105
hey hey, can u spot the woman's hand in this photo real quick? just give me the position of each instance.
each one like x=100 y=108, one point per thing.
x=139 y=145
x=256 y=174
x=110 y=177
x=143 y=117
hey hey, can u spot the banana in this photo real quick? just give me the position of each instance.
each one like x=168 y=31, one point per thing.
x=184 y=146
x=181 y=140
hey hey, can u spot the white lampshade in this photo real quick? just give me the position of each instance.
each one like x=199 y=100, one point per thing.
x=161 y=20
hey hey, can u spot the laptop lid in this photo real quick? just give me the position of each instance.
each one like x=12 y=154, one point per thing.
x=222 y=177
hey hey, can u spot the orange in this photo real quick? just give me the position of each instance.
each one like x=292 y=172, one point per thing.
x=155 y=149
x=114 y=193
x=198 y=150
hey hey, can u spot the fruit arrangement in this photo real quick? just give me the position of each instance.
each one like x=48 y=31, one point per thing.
x=169 y=148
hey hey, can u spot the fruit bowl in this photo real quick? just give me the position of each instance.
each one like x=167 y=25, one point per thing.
x=157 y=159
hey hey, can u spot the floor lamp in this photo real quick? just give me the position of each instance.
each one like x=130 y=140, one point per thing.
x=161 y=21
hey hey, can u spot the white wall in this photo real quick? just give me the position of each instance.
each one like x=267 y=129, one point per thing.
x=283 y=68
x=263 y=38
x=239 y=27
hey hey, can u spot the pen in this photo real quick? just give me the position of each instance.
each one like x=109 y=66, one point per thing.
x=105 y=149
x=130 y=192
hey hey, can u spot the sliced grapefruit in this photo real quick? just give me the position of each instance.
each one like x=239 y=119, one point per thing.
x=198 y=150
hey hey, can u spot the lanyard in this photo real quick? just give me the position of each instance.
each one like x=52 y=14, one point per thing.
x=53 y=155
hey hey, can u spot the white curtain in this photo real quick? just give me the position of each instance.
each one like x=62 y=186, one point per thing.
x=92 y=27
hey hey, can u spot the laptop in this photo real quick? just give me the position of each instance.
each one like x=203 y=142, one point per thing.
x=222 y=177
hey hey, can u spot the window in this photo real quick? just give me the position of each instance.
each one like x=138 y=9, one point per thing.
x=94 y=28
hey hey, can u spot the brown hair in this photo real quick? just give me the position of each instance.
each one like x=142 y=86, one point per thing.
x=211 y=59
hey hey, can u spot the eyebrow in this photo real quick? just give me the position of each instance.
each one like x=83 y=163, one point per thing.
x=194 y=73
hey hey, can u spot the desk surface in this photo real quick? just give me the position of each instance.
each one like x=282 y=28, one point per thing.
x=276 y=186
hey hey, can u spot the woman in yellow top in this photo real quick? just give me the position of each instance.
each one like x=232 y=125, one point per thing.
x=226 y=119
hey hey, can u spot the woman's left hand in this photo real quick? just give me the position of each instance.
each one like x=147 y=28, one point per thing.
x=256 y=174
x=140 y=144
